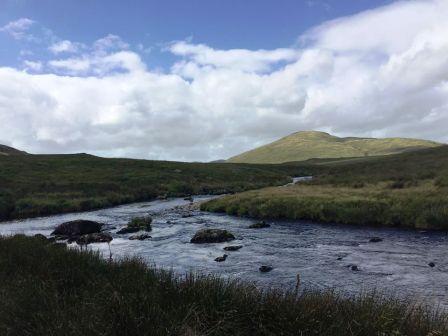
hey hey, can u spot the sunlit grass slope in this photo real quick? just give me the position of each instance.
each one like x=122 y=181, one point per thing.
x=311 y=144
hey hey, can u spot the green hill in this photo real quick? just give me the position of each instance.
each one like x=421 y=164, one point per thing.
x=306 y=145
x=5 y=150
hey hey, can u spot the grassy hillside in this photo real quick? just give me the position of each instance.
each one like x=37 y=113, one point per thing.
x=5 y=150
x=48 y=289
x=311 y=144
x=32 y=185
x=407 y=190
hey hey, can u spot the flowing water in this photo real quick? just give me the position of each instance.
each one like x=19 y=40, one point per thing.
x=321 y=254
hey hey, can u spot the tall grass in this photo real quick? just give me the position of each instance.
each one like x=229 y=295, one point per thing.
x=47 y=289
x=423 y=206
x=33 y=185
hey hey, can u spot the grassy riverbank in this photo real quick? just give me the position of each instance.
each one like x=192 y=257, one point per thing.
x=33 y=185
x=406 y=190
x=45 y=287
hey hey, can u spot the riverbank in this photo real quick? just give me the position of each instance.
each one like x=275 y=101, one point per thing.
x=49 y=287
x=37 y=185
x=420 y=206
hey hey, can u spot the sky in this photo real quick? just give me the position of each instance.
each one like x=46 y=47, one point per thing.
x=202 y=80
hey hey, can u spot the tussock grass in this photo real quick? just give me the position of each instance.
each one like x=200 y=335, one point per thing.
x=47 y=289
x=34 y=185
x=423 y=206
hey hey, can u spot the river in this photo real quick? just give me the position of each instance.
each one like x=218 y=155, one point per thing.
x=320 y=253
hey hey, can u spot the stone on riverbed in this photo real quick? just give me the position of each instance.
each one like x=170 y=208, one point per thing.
x=101 y=237
x=142 y=236
x=77 y=228
x=128 y=230
x=221 y=259
x=211 y=236
x=265 y=268
x=375 y=240
x=259 y=225
x=233 y=248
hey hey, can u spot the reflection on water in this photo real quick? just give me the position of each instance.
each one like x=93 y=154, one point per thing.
x=321 y=254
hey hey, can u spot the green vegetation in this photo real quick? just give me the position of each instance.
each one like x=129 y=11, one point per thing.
x=406 y=190
x=49 y=289
x=306 y=145
x=5 y=150
x=143 y=223
x=33 y=185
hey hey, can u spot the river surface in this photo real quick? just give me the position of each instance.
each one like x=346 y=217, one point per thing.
x=320 y=253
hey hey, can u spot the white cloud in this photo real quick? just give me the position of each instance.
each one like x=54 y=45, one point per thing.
x=110 y=42
x=65 y=46
x=17 y=29
x=33 y=65
x=383 y=72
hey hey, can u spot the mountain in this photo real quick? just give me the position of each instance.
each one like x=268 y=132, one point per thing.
x=5 y=150
x=306 y=145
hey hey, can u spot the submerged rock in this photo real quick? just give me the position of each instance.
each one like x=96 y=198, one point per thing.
x=232 y=248
x=259 y=225
x=77 y=228
x=354 y=268
x=431 y=264
x=265 y=268
x=211 y=236
x=128 y=230
x=142 y=236
x=375 y=240
x=101 y=237
x=221 y=259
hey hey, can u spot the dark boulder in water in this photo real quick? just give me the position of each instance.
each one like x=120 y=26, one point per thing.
x=128 y=230
x=233 y=248
x=431 y=264
x=77 y=228
x=259 y=225
x=265 y=268
x=101 y=237
x=221 y=259
x=212 y=236
x=142 y=236
x=375 y=240
x=354 y=268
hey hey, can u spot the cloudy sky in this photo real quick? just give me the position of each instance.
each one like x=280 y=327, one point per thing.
x=208 y=79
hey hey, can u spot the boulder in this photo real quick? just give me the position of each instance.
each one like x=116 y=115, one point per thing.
x=259 y=225
x=221 y=259
x=142 y=223
x=77 y=228
x=41 y=237
x=431 y=264
x=354 y=268
x=90 y=238
x=212 y=236
x=233 y=248
x=375 y=240
x=128 y=230
x=142 y=236
x=265 y=268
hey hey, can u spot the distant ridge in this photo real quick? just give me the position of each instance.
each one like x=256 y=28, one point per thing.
x=6 y=150
x=306 y=145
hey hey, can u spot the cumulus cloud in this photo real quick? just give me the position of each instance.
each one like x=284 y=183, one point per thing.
x=65 y=46
x=33 y=65
x=17 y=29
x=383 y=72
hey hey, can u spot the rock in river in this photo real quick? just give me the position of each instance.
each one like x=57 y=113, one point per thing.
x=375 y=240
x=77 y=228
x=142 y=236
x=265 y=268
x=212 y=236
x=259 y=225
x=233 y=248
x=90 y=238
x=221 y=259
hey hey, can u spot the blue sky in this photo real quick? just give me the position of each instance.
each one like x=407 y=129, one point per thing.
x=222 y=24
x=205 y=80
